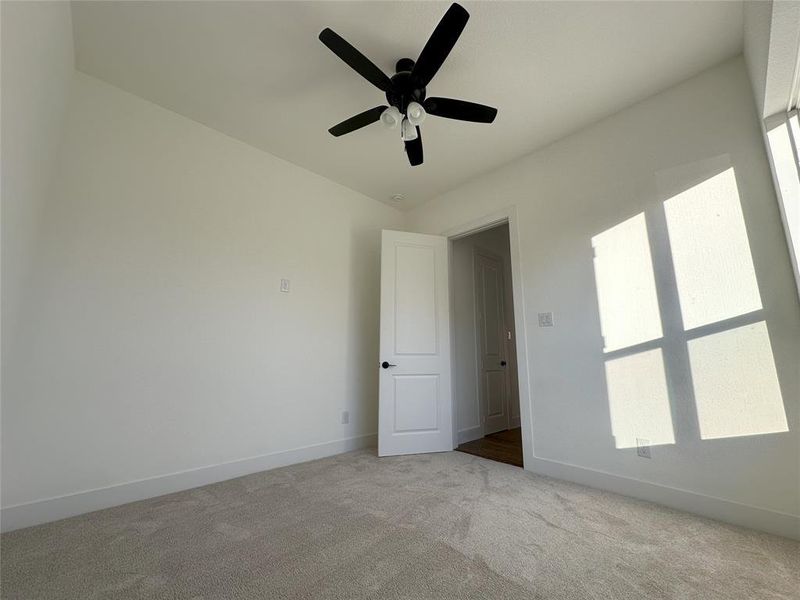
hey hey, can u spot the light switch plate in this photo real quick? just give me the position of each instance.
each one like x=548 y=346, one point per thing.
x=285 y=285
x=546 y=319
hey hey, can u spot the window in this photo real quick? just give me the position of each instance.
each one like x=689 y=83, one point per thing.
x=783 y=142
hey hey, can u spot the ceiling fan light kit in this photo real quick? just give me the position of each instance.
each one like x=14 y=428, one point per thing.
x=416 y=113
x=391 y=118
x=409 y=133
x=406 y=90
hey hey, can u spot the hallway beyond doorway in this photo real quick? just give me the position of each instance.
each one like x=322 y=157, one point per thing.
x=503 y=446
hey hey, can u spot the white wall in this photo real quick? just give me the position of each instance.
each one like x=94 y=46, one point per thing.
x=757 y=23
x=771 y=47
x=37 y=67
x=589 y=182
x=156 y=339
x=465 y=357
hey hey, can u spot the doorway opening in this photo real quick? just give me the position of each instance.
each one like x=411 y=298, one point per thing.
x=486 y=394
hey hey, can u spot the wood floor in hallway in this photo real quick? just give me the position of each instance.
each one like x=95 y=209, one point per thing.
x=503 y=446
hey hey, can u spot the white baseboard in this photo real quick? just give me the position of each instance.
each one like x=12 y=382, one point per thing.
x=52 y=509
x=469 y=434
x=60 y=507
x=707 y=506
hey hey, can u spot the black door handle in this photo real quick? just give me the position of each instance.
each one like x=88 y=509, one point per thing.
x=386 y=365
x=502 y=363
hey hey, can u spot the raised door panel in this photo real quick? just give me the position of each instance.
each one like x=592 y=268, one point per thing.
x=415 y=300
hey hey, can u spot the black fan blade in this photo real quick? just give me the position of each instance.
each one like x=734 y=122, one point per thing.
x=414 y=150
x=357 y=61
x=360 y=120
x=442 y=40
x=460 y=109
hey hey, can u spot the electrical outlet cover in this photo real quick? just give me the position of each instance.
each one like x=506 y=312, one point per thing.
x=643 y=448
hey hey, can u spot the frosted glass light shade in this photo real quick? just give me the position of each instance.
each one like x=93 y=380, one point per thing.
x=409 y=131
x=416 y=113
x=391 y=117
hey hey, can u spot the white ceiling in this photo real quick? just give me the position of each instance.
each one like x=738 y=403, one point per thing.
x=257 y=72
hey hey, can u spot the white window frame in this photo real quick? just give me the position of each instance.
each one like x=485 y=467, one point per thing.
x=787 y=180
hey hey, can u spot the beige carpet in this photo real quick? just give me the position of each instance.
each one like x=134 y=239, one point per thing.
x=430 y=526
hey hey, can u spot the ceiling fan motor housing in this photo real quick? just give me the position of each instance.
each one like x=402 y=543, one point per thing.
x=404 y=89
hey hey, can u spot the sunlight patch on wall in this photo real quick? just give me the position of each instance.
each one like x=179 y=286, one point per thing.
x=710 y=250
x=735 y=383
x=638 y=399
x=626 y=289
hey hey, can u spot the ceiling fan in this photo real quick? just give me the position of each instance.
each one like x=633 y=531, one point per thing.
x=405 y=90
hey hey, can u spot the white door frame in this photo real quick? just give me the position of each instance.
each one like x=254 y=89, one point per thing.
x=506 y=215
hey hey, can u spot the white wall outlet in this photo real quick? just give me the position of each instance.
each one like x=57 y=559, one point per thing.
x=643 y=448
x=345 y=417
x=285 y=285
x=546 y=319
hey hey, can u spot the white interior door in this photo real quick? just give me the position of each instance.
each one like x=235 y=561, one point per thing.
x=415 y=406
x=492 y=360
